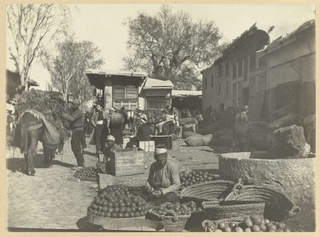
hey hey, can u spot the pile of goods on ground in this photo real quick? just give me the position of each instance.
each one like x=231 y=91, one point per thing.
x=117 y=201
x=87 y=173
x=194 y=177
x=50 y=104
x=254 y=223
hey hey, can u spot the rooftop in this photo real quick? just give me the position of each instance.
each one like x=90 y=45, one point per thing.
x=154 y=83
x=185 y=93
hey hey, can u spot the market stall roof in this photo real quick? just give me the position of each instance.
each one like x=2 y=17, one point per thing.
x=185 y=93
x=153 y=83
x=96 y=76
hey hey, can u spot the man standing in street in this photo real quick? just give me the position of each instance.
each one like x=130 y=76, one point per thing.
x=100 y=128
x=76 y=119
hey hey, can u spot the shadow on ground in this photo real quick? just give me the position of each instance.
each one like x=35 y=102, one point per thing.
x=84 y=225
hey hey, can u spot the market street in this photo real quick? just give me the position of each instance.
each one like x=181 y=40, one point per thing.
x=54 y=199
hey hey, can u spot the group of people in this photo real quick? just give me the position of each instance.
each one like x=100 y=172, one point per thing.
x=163 y=181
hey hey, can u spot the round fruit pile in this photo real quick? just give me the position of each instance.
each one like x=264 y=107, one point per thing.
x=254 y=223
x=90 y=173
x=189 y=178
x=177 y=209
x=118 y=202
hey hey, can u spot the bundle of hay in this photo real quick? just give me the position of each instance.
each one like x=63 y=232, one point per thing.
x=50 y=104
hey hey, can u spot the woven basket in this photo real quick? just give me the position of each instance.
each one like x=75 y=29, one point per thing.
x=236 y=212
x=215 y=190
x=170 y=225
x=278 y=207
x=117 y=119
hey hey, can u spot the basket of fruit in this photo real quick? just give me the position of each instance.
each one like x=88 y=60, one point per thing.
x=173 y=216
x=116 y=202
x=232 y=210
x=87 y=174
x=189 y=178
x=252 y=223
x=215 y=190
x=278 y=206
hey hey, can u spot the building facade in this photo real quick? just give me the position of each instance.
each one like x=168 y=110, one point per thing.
x=130 y=90
x=274 y=79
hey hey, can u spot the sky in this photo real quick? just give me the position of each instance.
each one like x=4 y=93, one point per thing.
x=103 y=24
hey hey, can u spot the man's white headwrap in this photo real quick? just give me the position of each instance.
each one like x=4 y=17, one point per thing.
x=110 y=138
x=159 y=151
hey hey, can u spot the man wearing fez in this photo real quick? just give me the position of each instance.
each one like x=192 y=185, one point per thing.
x=76 y=120
x=163 y=180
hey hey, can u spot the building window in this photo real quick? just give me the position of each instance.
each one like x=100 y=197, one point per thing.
x=157 y=104
x=240 y=68
x=227 y=68
x=245 y=69
x=212 y=81
x=124 y=92
x=227 y=87
x=234 y=70
x=237 y=94
x=252 y=62
x=220 y=70
x=219 y=88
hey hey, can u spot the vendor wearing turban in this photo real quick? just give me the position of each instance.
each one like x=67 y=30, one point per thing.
x=163 y=181
x=111 y=145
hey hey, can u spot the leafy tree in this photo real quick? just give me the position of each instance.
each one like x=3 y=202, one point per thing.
x=171 y=46
x=67 y=64
x=32 y=26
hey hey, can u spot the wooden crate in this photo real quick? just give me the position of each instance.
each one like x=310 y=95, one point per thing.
x=126 y=163
x=162 y=139
x=147 y=146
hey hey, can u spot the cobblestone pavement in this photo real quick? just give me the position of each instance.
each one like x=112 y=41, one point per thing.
x=54 y=199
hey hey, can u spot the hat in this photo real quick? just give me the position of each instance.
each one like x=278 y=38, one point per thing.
x=110 y=138
x=113 y=109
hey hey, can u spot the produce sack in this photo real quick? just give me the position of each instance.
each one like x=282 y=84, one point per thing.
x=117 y=119
x=226 y=139
x=206 y=139
x=194 y=141
x=187 y=134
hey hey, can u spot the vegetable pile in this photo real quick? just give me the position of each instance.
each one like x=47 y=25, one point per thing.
x=87 y=173
x=117 y=201
x=194 y=177
x=254 y=223
x=50 y=104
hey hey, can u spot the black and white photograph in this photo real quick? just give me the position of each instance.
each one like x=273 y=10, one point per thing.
x=160 y=117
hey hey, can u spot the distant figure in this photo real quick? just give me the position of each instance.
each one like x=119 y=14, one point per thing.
x=240 y=136
x=115 y=130
x=100 y=128
x=143 y=133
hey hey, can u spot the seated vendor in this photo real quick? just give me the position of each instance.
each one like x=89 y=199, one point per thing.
x=111 y=145
x=163 y=181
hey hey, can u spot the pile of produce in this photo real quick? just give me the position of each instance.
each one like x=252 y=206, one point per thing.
x=87 y=173
x=254 y=223
x=194 y=177
x=50 y=104
x=175 y=210
x=117 y=201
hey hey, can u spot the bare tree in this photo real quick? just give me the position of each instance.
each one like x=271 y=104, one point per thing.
x=170 y=45
x=67 y=64
x=32 y=26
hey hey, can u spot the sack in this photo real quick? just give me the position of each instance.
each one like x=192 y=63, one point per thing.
x=189 y=134
x=117 y=119
x=51 y=137
x=206 y=139
x=194 y=141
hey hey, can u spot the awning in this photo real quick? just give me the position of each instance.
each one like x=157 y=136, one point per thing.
x=185 y=93
x=153 y=83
